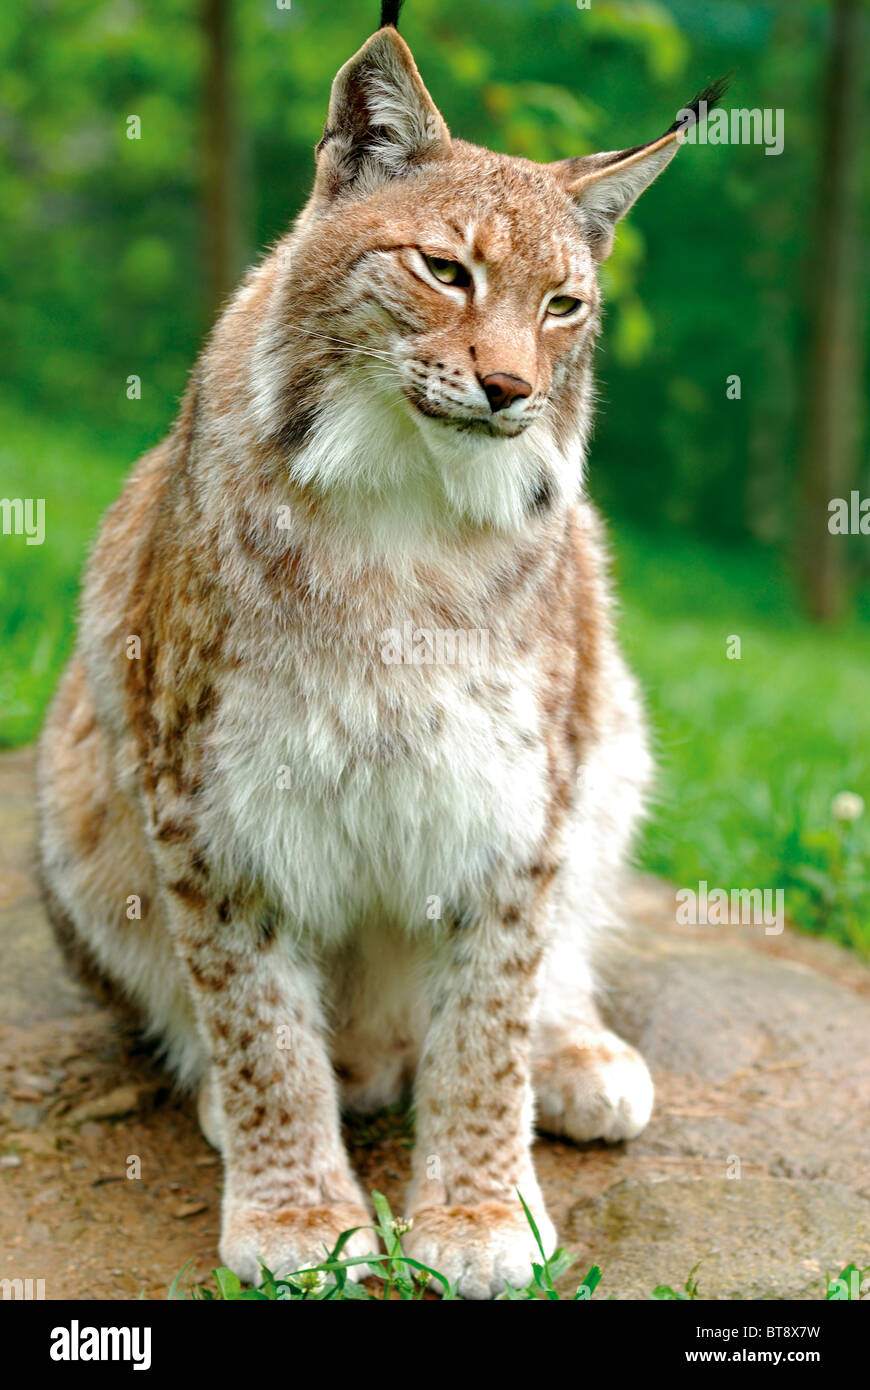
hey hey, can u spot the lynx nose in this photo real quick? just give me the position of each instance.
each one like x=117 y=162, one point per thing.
x=502 y=390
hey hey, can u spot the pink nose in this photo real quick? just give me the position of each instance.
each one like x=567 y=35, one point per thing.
x=502 y=390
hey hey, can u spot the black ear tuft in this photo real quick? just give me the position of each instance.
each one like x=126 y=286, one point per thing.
x=711 y=96
x=390 y=11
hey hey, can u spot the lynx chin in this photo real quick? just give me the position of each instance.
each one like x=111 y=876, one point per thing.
x=405 y=383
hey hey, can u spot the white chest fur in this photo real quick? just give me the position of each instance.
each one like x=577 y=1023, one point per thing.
x=346 y=792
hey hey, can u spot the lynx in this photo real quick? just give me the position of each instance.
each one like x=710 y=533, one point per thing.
x=358 y=875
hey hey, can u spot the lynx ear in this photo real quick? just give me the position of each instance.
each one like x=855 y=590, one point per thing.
x=382 y=122
x=605 y=186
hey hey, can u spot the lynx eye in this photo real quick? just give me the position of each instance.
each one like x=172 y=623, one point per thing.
x=448 y=272
x=563 y=305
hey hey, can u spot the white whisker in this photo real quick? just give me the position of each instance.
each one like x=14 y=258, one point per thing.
x=345 y=342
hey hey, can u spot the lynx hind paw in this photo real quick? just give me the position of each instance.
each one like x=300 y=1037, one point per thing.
x=597 y=1087
x=290 y=1239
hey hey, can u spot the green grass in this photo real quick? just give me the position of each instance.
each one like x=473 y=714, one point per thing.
x=79 y=475
x=750 y=752
x=402 y=1279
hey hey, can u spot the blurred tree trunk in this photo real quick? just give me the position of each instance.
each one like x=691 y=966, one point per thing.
x=222 y=239
x=831 y=423
x=772 y=402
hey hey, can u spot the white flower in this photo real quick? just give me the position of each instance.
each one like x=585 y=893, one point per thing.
x=311 y=1280
x=401 y=1227
x=847 y=806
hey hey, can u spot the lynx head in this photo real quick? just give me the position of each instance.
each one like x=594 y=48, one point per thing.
x=445 y=294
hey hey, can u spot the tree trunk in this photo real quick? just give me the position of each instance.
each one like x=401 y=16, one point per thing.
x=222 y=239
x=831 y=429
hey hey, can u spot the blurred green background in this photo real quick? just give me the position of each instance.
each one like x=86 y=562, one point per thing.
x=114 y=253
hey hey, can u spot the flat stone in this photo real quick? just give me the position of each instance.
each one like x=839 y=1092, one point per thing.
x=752 y=1237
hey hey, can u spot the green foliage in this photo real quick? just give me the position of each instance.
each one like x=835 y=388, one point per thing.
x=689 y=1292
x=78 y=471
x=828 y=881
x=846 y=1287
x=750 y=752
x=545 y=1273
x=101 y=265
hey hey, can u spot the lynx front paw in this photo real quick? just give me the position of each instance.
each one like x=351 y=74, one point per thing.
x=478 y=1248
x=596 y=1088
x=292 y=1238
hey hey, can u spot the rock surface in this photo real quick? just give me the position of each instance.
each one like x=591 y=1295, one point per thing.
x=756 y=1165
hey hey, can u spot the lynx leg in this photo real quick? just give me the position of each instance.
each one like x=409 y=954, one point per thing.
x=270 y=1101
x=589 y=1083
x=474 y=1108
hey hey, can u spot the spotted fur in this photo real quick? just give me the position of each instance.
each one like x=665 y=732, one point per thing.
x=356 y=874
